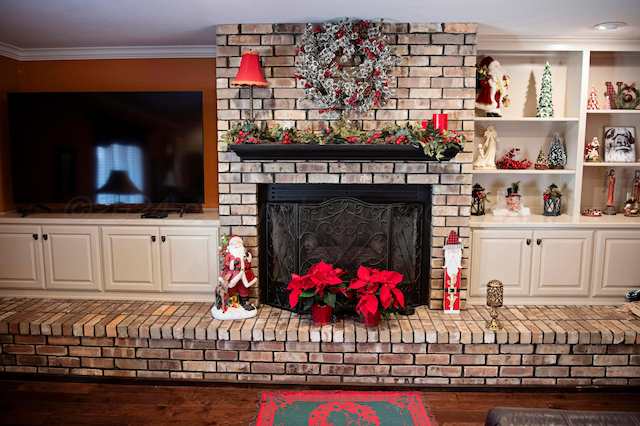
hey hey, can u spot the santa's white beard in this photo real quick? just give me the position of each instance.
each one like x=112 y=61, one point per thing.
x=237 y=252
x=453 y=263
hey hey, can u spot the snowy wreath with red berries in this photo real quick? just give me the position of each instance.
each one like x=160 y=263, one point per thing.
x=346 y=65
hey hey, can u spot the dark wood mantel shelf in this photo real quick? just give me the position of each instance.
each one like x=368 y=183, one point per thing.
x=335 y=152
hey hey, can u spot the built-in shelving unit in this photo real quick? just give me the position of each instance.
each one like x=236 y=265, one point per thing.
x=575 y=68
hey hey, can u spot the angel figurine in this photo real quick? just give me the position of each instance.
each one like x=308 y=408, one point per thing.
x=487 y=151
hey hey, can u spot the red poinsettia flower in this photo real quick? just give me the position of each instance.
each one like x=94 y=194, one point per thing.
x=297 y=285
x=375 y=288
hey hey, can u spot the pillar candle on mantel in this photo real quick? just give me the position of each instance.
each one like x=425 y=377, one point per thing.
x=439 y=122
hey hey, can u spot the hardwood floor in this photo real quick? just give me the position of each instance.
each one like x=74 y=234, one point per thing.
x=98 y=404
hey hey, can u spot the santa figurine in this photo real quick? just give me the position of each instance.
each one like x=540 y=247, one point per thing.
x=493 y=82
x=236 y=279
x=452 y=266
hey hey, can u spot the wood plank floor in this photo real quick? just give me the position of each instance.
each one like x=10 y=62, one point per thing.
x=95 y=404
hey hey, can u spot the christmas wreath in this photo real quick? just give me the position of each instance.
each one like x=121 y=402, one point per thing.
x=628 y=97
x=345 y=65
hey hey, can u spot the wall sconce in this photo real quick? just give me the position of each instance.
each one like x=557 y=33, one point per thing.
x=494 y=300
x=250 y=74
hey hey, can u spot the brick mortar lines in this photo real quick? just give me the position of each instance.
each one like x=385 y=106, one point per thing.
x=437 y=75
x=383 y=363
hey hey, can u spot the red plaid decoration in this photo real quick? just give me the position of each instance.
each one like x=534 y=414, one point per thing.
x=453 y=239
x=613 y=94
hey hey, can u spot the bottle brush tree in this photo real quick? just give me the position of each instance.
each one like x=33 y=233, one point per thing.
x=557 y=155
x=545 y=102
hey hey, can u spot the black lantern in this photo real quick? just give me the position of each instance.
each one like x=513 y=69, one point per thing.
x=479 y=196
x=552 y=201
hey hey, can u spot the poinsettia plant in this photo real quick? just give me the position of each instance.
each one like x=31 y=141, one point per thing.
x=321 y=285
x=377 y=291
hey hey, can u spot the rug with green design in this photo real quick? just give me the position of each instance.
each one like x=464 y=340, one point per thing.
x=343 y=408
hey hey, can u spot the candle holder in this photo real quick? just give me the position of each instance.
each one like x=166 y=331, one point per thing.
x=494 y=300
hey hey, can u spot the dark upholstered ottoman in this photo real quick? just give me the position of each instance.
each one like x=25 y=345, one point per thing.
x=506 y=416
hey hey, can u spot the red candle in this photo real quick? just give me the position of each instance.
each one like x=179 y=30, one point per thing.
x=440 y=121
x=425 y=124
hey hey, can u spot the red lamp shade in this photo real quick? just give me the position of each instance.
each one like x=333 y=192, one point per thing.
x=250 y=72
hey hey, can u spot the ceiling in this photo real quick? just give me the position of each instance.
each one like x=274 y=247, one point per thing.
x=32 y=24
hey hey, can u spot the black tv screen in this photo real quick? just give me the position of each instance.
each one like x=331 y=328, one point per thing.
x=107 y=147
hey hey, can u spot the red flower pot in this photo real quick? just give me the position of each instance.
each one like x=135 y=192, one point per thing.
x=371 y=320
x=321 y=314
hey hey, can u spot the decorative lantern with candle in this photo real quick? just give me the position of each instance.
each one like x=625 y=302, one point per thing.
x=552 y=200
x=494 y=301
x=478 y=198
x=250 y=74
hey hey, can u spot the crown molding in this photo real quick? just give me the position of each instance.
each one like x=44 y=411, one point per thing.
x=511 y=42
x=124 y=52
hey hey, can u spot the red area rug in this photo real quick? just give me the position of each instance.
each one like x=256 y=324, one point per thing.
x=343 y=408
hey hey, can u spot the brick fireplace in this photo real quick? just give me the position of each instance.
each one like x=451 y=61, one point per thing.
x=436 y=75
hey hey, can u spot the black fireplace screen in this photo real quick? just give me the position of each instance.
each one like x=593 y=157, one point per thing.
x=347 y=232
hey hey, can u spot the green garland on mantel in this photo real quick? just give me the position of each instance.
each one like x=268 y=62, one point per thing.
x=432 y=141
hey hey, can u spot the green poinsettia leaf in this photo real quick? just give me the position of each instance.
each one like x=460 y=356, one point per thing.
x=330 y=299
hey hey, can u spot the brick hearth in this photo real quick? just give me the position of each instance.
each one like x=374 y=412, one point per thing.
x=436 y=75
x=546 y=345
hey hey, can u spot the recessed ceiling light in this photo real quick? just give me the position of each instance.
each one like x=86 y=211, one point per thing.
x=609 y=25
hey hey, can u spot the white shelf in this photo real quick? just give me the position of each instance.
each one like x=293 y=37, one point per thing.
x=525 y=119
x=524 y=172
x=614 y=111
x=636 y=164
x=562 y=221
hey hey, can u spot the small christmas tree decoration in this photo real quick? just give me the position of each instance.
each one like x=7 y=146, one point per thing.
x=541 y=162
x=607 y=103
x=557 y=155
x=593 y=99
x=545 y=103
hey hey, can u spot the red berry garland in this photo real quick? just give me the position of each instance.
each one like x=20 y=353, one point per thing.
x=509 y=162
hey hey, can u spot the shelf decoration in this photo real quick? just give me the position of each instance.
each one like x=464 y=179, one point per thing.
x=513 y=198
x=592 y=151
x=593 y=99
x=628 y=96
x=541 y=162
x=487 y=152
x=452 y=266
x=607 y=104
x=552 y=198
x=495 y=293
x=318 y=290
x=435 y=143
x=592 y=212
x=609 y=185
x=478 y=199
x=509 y=161
x=545 y=102
x=345 y=65
x=377 y=294
x=632 y=204
x=557 y=154
x=620 y=144
x=493 y=83
x=611 y=92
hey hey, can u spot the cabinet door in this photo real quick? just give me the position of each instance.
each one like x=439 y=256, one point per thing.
x=131 y=258
x=21 y=257
x=504 y=256
x=71 y=257
x=189 y=259
x=561 y=263
x=616 y=263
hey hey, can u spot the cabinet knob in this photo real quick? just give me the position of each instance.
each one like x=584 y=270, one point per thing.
x=45 y=237
x=163 y=238
x=528 y=241
x=35 y=237
x=153 y=238
x=538 y=241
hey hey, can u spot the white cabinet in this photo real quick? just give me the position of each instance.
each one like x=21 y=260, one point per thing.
x=617 y=263
x=504 y=256
x=561 y=263
x=186 y=259
x=131 y=258
x=71 y=257
x=532 y=263
x=21 y=257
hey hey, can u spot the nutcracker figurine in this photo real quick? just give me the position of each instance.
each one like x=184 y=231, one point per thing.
x=452 y=266
x=232 y=293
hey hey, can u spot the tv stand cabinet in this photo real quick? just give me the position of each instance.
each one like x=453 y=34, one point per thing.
x=109 y=256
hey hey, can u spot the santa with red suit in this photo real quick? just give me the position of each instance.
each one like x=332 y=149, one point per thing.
x=452 y=266
x=493 y=87
x=237 y=271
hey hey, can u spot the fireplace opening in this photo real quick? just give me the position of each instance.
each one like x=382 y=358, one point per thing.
x=381 y=226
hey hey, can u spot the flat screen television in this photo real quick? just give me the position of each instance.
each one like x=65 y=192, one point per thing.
x=107 y=148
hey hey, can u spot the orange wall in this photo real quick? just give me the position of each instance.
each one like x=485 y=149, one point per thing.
x=116 y=75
